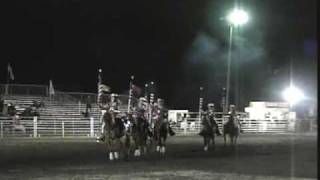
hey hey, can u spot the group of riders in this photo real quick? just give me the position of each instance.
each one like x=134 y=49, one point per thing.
x=144 y=126
x=210 y=128
x=134 y=130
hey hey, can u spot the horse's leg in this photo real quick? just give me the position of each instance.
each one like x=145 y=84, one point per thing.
x=213 y=143
x=127 y=146
x=160 y=143
x=206 y=143
x=109 y=148
x=235 y=140
x=144 y=144
x=164 y=144
x=138 y=146
x=157 y=142
x=118 y=147
x=134 y=146
x=232 y=139
x=225 y=139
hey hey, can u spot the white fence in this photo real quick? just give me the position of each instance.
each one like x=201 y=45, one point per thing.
x=35 y=127
x=192 y=125
x=90 y=127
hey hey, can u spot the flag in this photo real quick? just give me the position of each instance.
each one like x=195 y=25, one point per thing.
x=10 y=72
x=104 y=88
x=51 y=89
x=136 y=90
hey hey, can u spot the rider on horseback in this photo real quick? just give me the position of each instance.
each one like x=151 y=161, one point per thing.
x=104 y=102
x=209 y=120
x=118 y=119
x=233 y=115
x=162 y=114
x=142 y=113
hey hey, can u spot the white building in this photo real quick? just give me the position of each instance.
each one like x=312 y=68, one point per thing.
x=261 y=110
x=270 y=115
x=177 y=115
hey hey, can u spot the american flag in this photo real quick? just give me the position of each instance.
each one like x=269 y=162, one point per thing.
x=136 y=90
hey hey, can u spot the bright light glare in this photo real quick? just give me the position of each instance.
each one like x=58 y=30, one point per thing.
x=238 y=17
x=293 y=95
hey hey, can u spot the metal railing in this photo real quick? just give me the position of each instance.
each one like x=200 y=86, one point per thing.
x=83 y=97
x=23 y=89
x=35 y=128
x=90 y=127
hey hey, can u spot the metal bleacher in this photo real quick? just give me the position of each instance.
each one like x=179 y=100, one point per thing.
x=53 y=116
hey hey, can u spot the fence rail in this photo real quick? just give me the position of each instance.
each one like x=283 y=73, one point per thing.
x=90 y=127
x=24 y=89
x=35 y=127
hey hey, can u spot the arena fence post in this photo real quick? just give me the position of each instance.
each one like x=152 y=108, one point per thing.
x=62 y=129
x=1 y=129
x=72 y=127
x=54 y=127
x=185 y=126
x=79 y=106
x=35 y=126
x=91 y=127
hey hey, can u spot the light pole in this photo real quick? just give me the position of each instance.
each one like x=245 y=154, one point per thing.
x=236 y=18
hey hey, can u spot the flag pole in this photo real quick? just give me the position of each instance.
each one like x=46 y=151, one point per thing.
x=200 y=103
x=99 y=82
x=8 y=81
x=130 y=93
x=151 y=101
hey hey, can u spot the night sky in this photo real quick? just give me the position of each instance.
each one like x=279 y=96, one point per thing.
x=178 y=44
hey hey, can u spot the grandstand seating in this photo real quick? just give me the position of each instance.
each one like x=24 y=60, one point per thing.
x=54 y=109
x=52 y=116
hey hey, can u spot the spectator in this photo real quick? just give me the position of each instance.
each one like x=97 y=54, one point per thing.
x=11 y=109
x=16 y=120
x=88 y=105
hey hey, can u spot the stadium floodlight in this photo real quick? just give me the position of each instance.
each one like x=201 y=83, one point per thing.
x=238 y=17
x=293 y=95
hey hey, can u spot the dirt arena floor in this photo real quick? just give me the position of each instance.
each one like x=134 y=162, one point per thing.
x=256 y=157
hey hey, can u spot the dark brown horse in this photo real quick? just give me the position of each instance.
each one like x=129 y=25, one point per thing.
x=114 y=135
x=140 y=135
x=231 y=128
x=208 y=133
x=160 y=134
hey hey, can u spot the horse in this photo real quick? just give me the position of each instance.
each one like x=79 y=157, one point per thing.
x=231 y=128
x=114 y=135
x=208 y=133
x=160 y=134
x=139 y=135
